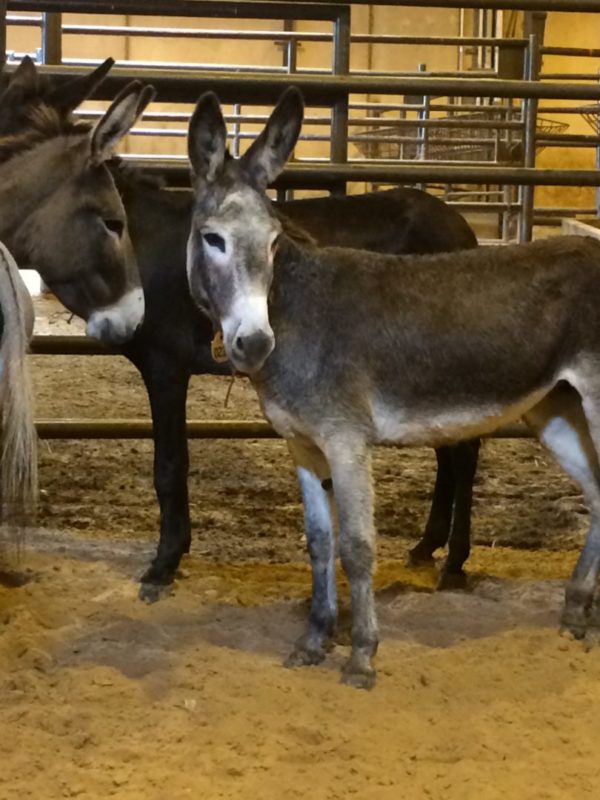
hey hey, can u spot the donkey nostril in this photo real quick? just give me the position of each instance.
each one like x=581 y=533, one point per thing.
x=239 y=343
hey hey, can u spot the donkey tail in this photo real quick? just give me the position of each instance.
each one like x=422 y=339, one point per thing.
x=18 y=464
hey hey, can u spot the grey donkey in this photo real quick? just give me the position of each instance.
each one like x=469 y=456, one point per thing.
x=347 y=349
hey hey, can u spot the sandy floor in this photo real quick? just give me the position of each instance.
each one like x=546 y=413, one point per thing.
x=477 y=695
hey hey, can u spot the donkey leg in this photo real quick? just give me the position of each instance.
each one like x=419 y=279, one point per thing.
x=351 y=474
x=564 y=425
x=312 y=470
x=464 y=461
x=579 y=596
x=437 y=529
x=167 y=390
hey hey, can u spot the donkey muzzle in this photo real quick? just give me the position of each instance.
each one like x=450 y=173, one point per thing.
x=249 y=352
x=116 y=324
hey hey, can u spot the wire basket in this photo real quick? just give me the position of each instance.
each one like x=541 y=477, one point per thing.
x=591 y=115
x=464 y=143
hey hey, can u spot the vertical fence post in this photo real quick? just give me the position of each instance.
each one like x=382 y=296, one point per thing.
x=236 y=130
x=529 y=118
x=536 y=23
x=598 y=158
x=3 y=4
x=423 y=114
x=51 y=38
x=339 y=110
x=291 y=63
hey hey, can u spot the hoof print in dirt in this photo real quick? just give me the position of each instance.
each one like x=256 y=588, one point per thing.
x=14 y=579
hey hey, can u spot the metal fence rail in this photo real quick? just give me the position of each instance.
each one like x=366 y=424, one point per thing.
x=191 y=8
x=318 y=90
x=326 y=176
x=196 y=429
x=142 y=429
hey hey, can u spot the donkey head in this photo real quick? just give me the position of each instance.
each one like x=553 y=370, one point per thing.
x=60 y=212
x=234 y=231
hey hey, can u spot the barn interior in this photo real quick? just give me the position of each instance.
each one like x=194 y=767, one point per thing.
x=494 y=108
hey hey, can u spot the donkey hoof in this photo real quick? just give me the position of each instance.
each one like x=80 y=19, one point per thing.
x=419 y=558
x=302 y=656
x=592 y=640
x=451 y=580
x=574 y=621
x=152 y=592
x=359 y=677
x=572 y=631
x=159 y=575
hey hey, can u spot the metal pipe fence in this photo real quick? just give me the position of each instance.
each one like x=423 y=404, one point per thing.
x=281 y=36
x=418 y=140
x=341 y=37
x=183 y=8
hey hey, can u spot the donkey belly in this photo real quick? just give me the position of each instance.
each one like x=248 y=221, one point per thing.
x=447 y=423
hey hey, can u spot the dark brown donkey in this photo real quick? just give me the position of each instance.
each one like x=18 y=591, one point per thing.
x=347 y=349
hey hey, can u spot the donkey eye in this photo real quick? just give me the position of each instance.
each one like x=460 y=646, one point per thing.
x=214 y=240
x=115 y=226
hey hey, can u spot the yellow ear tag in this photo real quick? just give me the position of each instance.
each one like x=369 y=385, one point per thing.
x=217 y=348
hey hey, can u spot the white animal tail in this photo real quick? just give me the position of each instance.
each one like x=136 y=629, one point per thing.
x=18 y=465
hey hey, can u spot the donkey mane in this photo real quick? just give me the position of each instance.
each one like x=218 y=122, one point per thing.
x=131 y=176
x=295 y=232
x=42 y=122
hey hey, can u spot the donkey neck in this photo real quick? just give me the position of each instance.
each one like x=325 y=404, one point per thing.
x=296 y=261
x=299 y=275
x=299 y=289
x=30 y=177
x=159 y=223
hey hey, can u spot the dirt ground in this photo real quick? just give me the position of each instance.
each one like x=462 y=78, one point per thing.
x=102 y=695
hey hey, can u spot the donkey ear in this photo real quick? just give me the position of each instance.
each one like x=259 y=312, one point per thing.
x=266 y=157
x=207 y=138
x=22 y=85
x=70 y=95
x=125 y=109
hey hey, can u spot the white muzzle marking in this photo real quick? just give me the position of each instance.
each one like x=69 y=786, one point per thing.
x=247 y=315
x=118 y=323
